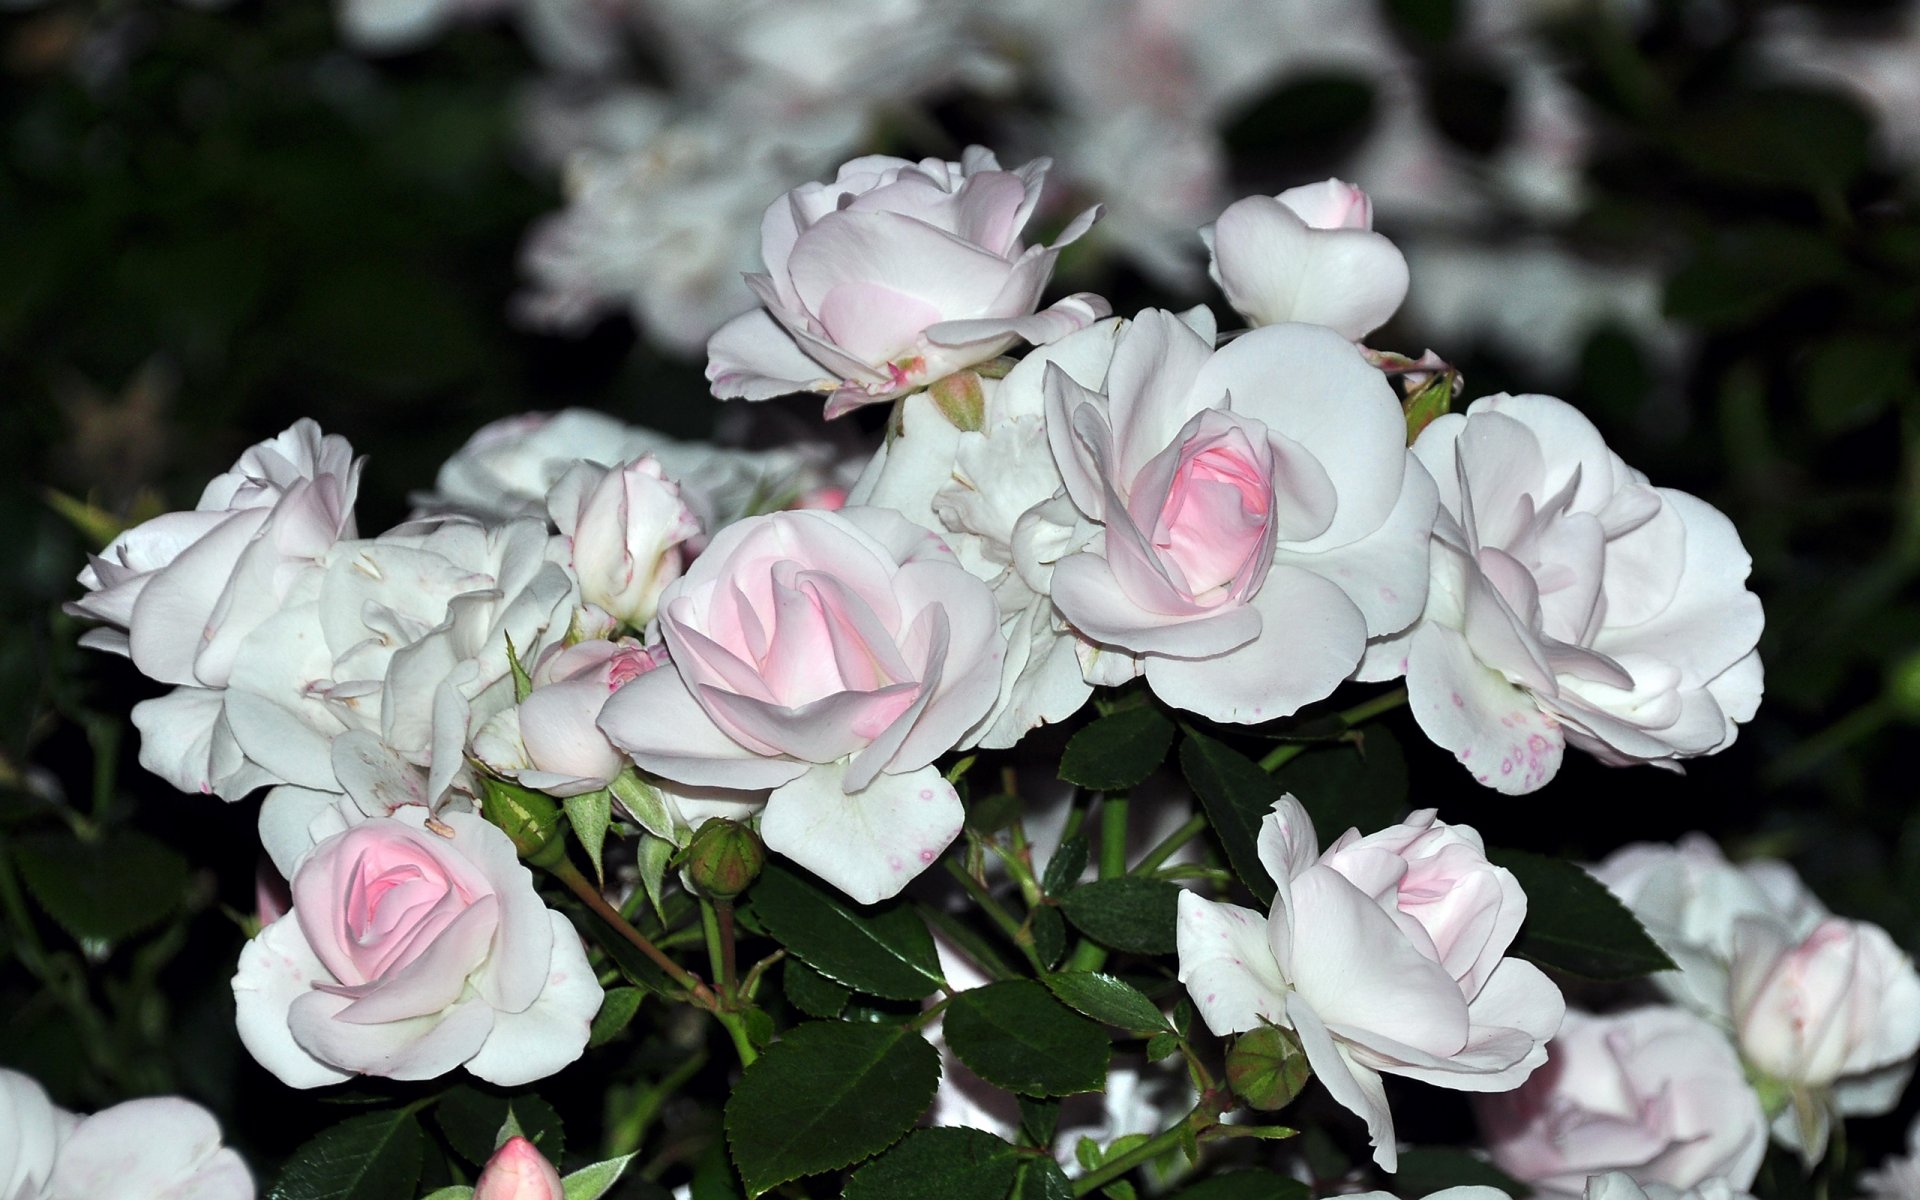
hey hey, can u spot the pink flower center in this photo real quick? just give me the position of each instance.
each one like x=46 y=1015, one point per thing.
x=1216 y=513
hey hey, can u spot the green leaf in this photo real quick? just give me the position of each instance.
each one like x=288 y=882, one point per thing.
x=590 y=813
x=522 y=682
x=1436 y=1168
x=456 y=1192
x=107 y=889
x=593 y=1182
x=1574 y=924
x=1253 y=1184
x=827 y=1094
x=1348 y=786
x=939 y=1164
x=1049 y=931
x=811 y=992
x=1042 y=1179
x=375 y=1156
x=1107 y=1000
x=1016 y=1036
x=1130 y=913
x=1065 y=867
x=616 y=1012
x=651 y=856
x=1118 y=750
x=990 y=814
x=1039 y=1117
x=1237 y=794
x=472 y=1120
x=886 y=953
x=1851 y=380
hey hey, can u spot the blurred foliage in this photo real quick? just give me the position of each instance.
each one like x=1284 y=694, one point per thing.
x=214 y=221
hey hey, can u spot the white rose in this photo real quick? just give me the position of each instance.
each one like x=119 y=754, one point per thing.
x=625 y=528
x=1308 y=254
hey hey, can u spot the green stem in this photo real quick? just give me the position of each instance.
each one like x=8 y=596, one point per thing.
x=1165 y=850
x=710 y=929
x=737 y=1030
x=995 y=912
x=1366 y=710
x=723 y=909
x=589 y=895
x=1151 y=1149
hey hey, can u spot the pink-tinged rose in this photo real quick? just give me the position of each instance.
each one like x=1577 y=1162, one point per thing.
x=518 y=1171
x=1841 y=1002
x=409 y=952
x=1466 y=1191
x=625 y=528
x=159 y=1148
x=1385 y=955
x=829 y=657
x=1310 y=255
x=893 y=276
x=1655 y=1092
x=1691 y=899
x=1250 y=516
x=551 y=741
x=180 y=594
x=1571 y=602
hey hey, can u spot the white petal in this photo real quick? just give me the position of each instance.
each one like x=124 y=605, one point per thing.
x=1494 y=728
x=869 y=844
x=552 y=1032
x=276 y=968
x=1227 y=966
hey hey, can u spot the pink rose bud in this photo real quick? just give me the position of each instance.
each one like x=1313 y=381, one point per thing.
x=624 y=528
x=517 y=1171
x=1842 y=1001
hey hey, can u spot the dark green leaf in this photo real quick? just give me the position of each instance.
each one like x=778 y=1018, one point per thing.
x=472 y=1120
x=1127 y=914
x=371 y=1157
x=1349 y=786
x=637 y=967
x=811 y=992
x=887 y=952
x=1049 y=930
x=1039 y=1117
x=1118 y=750
x=1799 y=138
x=990 y=814
x=1574 y=924
x=1436 y=1168
x=1427 y=22
x=107 y=889
x=616 y=1011
x=1254 y=1184
x=939 y=1164
x=1064 y=869
x=1852 y=380
x=1042 y=1179
x=1107 y=1000
x=827 y=1094
x=1237 y=794
x=1016 y=1036
x=1161 y=1045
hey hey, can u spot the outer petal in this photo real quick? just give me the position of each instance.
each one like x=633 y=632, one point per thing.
x=1274 y=268
x=1354 y=1087
x=1384 y=572
x=1494 y=728
x=1065 y=316
x=1310 y=638
x=1228 y=967
x=753 y=358
x=552 y=1032
x=415 y=1048
x=276 y=968
x=1087 y=594
x=871 y=843
x=150 y=1149
x=185 y=739
x=659 y=724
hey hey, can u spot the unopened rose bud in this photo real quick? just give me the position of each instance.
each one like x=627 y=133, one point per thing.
x=1267 y=1068
x=724 y=858
x=518 y=1171
x=531 y=819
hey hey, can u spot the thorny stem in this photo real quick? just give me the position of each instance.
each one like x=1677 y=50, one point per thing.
x=589 y=895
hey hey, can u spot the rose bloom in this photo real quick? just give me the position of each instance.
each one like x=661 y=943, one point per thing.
x=1618 y=1185
x=1250 y=515
x=1308 y=254
x=551 y=741
x=158 y=1148
x=180 y=594
x=410 y=952
x=1571 y=602
x=1385 y=954
x=625 y=528
x=893 y=276
x=1655 y=1092
x=518 y=1171
x=829 y=657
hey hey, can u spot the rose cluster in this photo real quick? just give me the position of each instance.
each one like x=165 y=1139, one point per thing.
x=587 y=628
